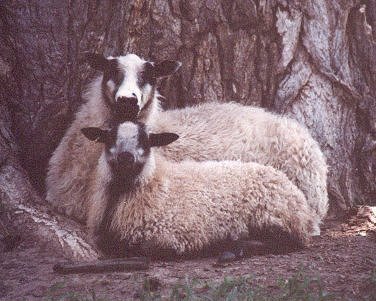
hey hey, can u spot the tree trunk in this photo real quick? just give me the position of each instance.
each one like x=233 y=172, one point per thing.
x=22 y=212
x=313 y=60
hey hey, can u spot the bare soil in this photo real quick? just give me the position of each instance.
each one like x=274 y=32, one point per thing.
x=343 y=257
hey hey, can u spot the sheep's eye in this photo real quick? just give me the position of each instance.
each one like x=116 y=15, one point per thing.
x=116 y=76
x=110 y=139
x=113 y=73
x=147 y=75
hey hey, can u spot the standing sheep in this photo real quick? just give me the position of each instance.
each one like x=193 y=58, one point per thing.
x=138 y=198
x=210 y=131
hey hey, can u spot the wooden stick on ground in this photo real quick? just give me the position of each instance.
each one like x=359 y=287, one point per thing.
x=101 y=266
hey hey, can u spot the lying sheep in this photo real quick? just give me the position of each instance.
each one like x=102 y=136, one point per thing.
x=231 y=131
x=138 y=198
x=210 y=131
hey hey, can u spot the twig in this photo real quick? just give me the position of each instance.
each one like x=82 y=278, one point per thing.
x=101 y=266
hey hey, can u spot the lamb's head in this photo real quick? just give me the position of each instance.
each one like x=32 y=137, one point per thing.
x=128 y=84
x=127 y=147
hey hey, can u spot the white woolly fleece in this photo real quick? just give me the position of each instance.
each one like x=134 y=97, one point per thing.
x=210 y=131
x=188 y=206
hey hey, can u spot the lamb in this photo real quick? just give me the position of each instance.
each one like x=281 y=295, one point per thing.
x=209 y=131
x=138 y=199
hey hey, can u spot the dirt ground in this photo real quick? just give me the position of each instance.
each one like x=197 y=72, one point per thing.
x=343 y=256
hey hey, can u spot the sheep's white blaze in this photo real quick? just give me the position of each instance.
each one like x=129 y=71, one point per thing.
x=127 y=139
x=131 y=65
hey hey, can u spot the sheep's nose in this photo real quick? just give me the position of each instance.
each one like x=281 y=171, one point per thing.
x=127 y=101
x=126 y=159
x=126 y=108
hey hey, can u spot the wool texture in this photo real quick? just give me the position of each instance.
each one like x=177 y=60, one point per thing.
x=209 y=131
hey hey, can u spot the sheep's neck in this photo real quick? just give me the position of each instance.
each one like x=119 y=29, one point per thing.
x=118 y=190
x=109 y=241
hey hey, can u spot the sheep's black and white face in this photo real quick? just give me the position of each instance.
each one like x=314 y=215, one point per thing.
x=127 y=147
x=128 y=84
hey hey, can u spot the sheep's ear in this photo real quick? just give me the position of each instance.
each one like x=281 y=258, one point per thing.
x=95 y=134
x=97 y=61
x=162 y=139
x=166 y=68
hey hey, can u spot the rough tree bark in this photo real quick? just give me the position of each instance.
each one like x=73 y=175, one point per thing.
x=22 y=211
x=313 y=60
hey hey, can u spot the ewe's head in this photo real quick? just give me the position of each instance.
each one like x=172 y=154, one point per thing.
x=127 y=147
x=128 y=84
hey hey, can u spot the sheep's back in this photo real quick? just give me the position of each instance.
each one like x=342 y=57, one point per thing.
x=229 y=131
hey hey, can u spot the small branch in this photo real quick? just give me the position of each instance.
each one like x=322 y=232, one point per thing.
x=102 y=266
